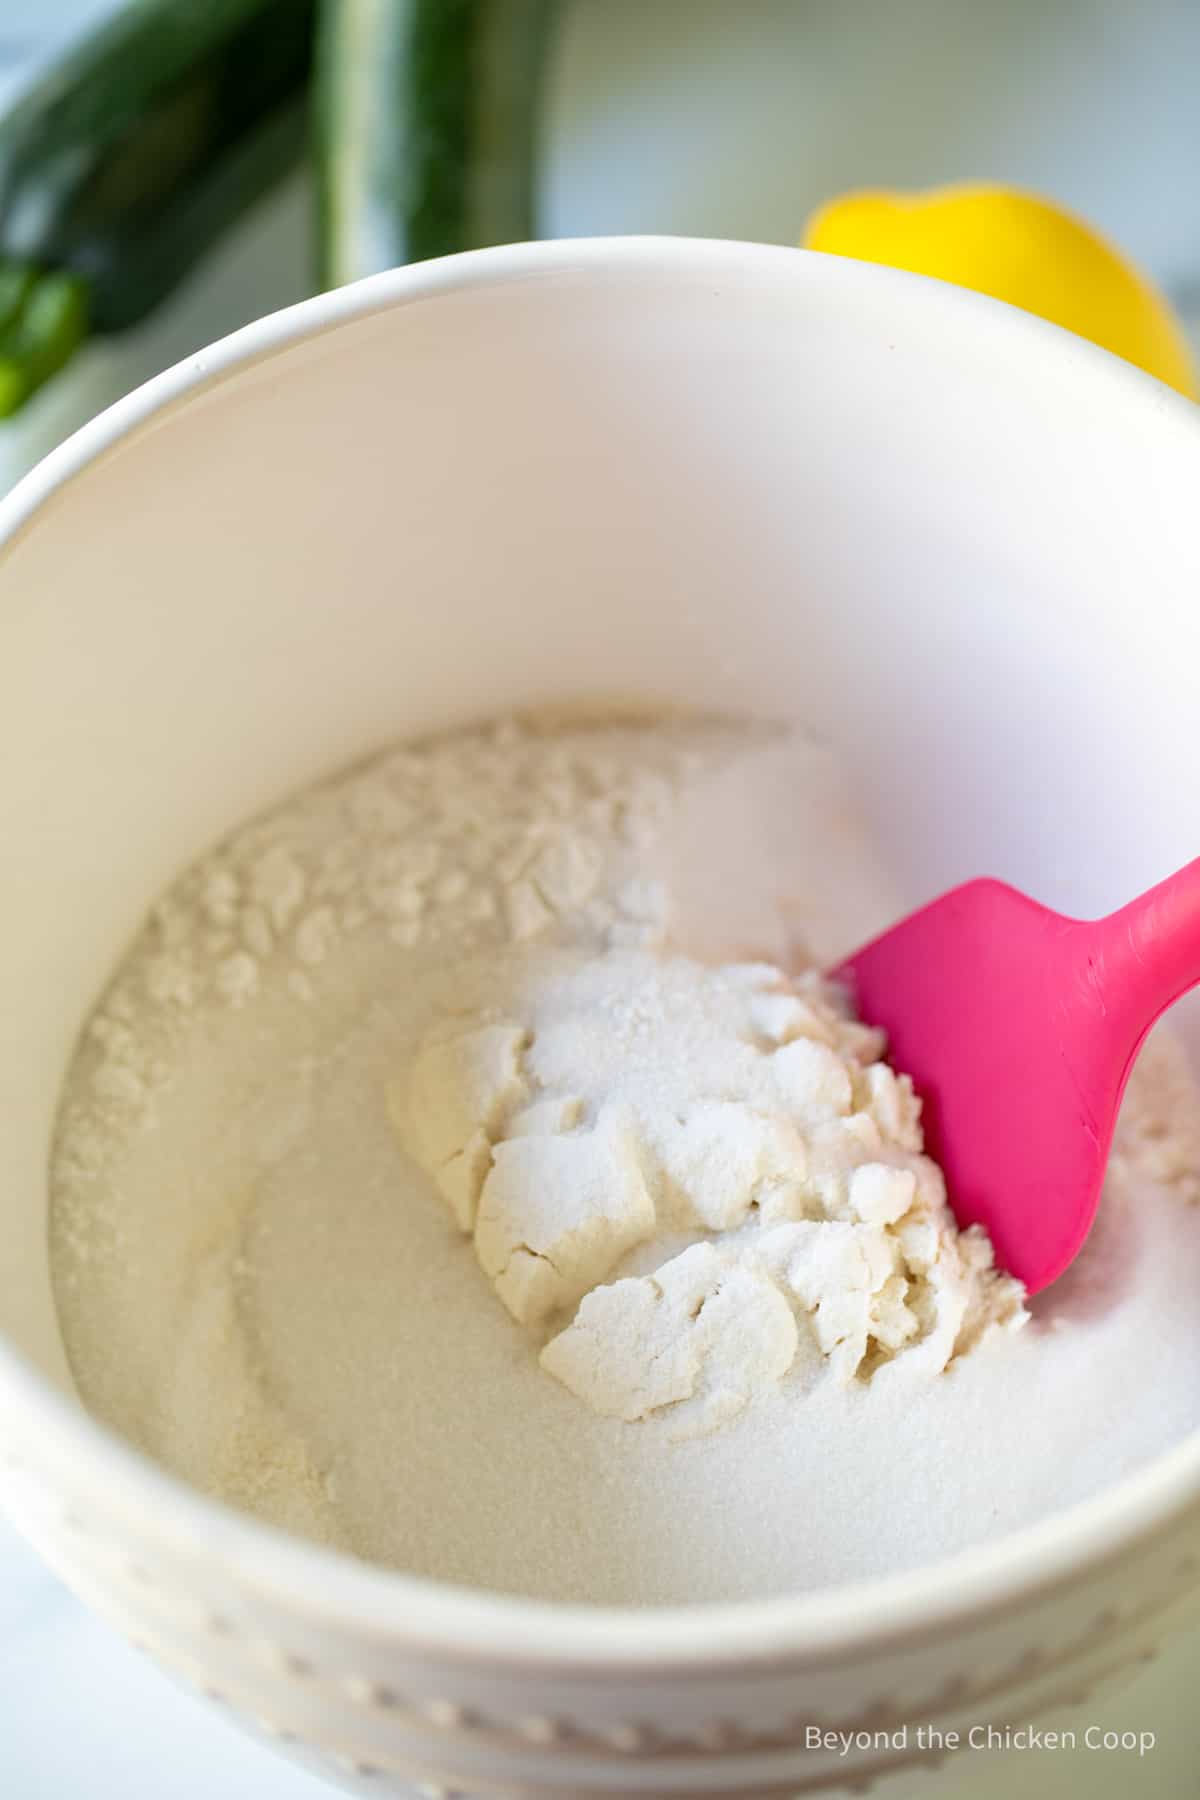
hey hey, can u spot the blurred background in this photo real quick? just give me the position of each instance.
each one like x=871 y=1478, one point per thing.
x=735 y=118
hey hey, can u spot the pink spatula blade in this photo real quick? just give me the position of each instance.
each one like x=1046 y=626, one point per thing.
x=1019 y=1028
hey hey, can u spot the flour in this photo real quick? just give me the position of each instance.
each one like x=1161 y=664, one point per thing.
x=481 y=838
x=277 y=1135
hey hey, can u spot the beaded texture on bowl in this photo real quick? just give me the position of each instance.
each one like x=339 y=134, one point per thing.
x=386 y=1717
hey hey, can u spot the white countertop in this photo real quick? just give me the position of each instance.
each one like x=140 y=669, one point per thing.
x=83 y=1717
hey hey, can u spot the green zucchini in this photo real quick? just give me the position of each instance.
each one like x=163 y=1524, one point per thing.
x=40 y=336
x=120 y=166
x=426 y=128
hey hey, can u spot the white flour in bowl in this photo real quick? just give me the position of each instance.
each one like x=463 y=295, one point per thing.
x=466 y=1167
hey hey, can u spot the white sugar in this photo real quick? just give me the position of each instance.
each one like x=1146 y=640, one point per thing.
x=259 y=1286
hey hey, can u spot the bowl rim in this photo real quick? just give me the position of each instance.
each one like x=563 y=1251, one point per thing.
x=329 y=1589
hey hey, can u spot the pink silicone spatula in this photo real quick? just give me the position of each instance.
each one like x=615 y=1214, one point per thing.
x=1019 y=1028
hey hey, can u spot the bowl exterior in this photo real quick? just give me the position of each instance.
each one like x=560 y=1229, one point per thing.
x=380 y=1711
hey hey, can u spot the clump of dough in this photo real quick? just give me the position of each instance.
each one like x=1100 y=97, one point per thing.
x=701 y=1335
x=630 y=1098
x=717 y=1159
x=453 y=1102
x=557 y=1213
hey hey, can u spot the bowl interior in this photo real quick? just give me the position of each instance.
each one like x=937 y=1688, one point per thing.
x=950 y=539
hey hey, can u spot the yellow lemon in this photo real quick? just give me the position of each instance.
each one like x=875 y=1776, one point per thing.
x=1020 y=248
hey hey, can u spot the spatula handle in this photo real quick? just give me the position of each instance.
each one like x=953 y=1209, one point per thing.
x=1141 y=959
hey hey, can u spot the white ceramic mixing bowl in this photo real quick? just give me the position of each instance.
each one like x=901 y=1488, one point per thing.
x=957 y=541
